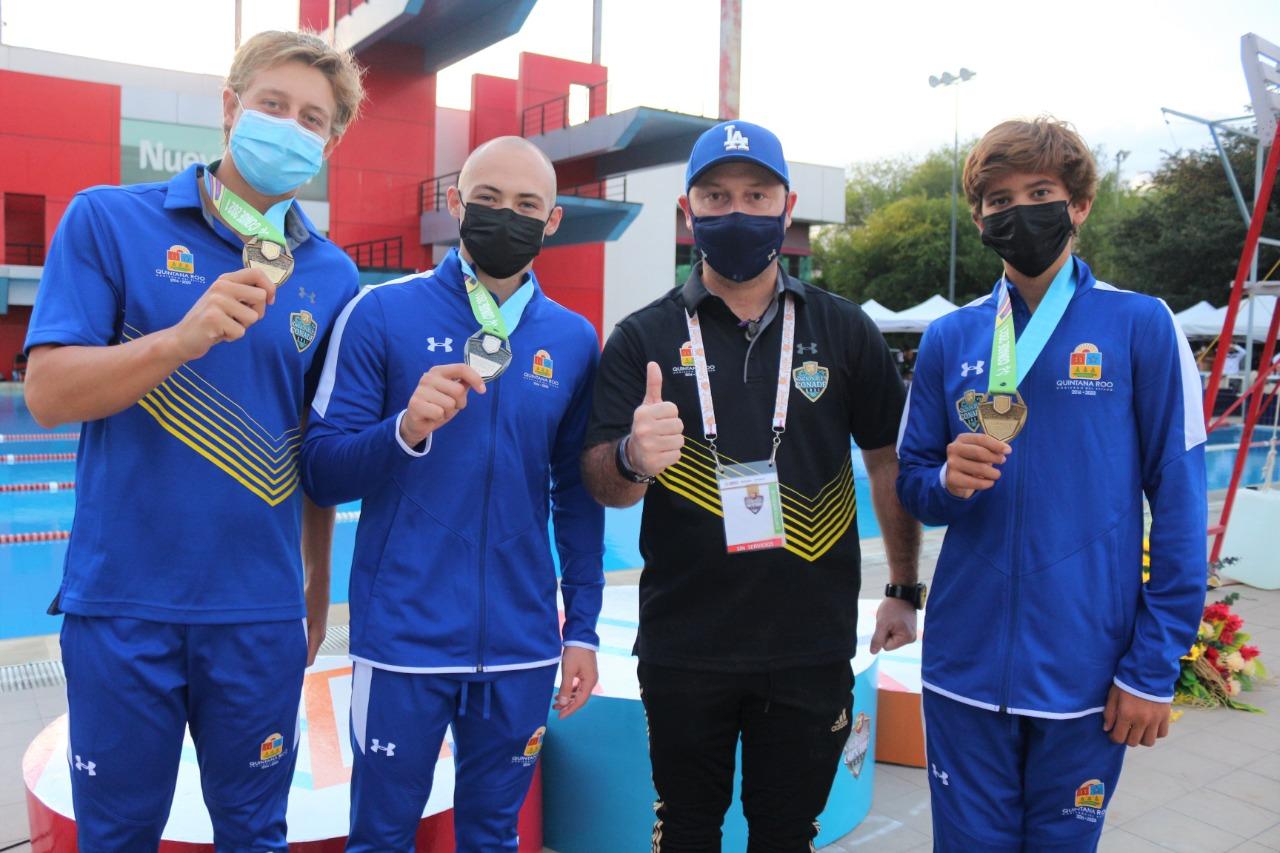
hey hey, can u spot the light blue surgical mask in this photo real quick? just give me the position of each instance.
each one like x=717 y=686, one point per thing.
x=275 y=155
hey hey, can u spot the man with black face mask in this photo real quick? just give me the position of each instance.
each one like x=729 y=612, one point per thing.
x=454 y=619
x=1039 y=417
x=728 y=406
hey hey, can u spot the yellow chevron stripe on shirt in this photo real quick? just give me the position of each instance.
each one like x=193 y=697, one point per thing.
x=813 y=524
x=216 y=427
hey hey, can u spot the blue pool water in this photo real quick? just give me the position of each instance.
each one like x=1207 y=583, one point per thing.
x=29 y=573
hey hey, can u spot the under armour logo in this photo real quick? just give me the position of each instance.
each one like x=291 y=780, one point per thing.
x=734 y=140
x=389 y=749
x=86 y=765
x=811 y=349
x=967 y=368
x=941 y=776
x=446 y=344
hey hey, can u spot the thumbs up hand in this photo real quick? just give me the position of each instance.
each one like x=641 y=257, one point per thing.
x=657 y=433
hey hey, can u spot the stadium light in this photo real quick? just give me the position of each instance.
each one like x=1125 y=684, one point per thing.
x=948 y=79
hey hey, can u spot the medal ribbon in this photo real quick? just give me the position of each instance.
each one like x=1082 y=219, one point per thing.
x=1012 y=357
x=483 y=305
x=782 y=398
x=241 y=215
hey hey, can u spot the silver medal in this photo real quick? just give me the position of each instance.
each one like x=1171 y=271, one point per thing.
x=488 y=355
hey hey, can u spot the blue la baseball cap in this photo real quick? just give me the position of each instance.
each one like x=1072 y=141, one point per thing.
x=736 y=141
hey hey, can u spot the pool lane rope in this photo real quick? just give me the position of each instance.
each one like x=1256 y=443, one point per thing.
x=38 y=436
x=23 y=458
x=51 y=486
x=344 y=517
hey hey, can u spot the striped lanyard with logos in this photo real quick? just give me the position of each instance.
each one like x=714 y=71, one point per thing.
x=747 y=488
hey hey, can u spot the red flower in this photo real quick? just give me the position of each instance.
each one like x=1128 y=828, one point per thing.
x=1227 y=638
x=1212 y=654
x=1249 y=652
x=1234 y=623
x=1216 y=612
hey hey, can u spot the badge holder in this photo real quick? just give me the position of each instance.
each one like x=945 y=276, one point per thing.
x=751 y=500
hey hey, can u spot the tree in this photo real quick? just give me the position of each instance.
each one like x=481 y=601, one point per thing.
x=1182 y=238
x=896 y=242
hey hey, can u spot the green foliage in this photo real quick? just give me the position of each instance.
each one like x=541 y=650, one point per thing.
x=1179 y=237
x=1182 y=239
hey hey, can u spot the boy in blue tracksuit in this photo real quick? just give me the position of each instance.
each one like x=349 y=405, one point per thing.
x=459 y=423
x=1045 y=653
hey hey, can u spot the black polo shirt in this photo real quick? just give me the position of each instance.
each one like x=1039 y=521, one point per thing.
x=700 y=607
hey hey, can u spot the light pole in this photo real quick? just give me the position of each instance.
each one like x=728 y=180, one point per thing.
x=1121 y=156
x=949 y=79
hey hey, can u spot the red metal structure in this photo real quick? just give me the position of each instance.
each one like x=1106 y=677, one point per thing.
x=1262 y=70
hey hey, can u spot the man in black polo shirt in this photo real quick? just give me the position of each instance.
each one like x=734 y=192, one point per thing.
x=728 y=406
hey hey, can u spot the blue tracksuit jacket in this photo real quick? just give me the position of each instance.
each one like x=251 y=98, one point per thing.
x=1038 y=605
x=452 y=570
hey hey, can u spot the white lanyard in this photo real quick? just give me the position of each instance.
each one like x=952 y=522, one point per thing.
x=781 y=401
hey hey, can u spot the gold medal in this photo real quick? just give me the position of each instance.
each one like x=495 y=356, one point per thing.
x=270 y=257
x=1002 y=416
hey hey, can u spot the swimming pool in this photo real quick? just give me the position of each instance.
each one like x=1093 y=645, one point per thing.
x=30 y=572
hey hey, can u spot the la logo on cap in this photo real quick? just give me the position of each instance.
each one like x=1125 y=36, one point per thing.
x=734 y=140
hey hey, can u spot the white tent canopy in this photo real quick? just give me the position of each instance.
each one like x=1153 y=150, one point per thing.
x=918 y=317
x=1201 y=320
x=877 y=312
x=1262 y=308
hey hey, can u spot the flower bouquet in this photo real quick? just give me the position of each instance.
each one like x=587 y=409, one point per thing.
x=1221 y=665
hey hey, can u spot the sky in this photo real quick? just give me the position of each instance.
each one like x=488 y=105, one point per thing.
x=839 y=81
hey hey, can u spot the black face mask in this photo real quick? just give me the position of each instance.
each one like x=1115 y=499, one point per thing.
x=500 y=241
x=1029 y=236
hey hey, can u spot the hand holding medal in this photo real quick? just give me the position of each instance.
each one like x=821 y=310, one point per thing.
x=440 y=395
x=224 y=312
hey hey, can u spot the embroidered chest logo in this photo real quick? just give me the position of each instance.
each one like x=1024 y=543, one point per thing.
x=542 y=371
x=433 y=344
x=967 y=409
x=179 y=266
x=542 y=364
x=303 y=328
x=976 y=368
x=1086 y=363
x=180 y=259
x=811 y=380
x=686 y=366
x=307 y=295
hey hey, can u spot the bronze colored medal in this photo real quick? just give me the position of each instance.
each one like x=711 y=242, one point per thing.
x=270 y=257
x=489 y=355
x=1002 y=416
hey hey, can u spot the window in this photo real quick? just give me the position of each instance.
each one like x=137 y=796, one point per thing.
x=23 y=229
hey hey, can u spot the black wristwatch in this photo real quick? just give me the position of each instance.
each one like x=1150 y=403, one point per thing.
x=915 y=594
x=624 y=466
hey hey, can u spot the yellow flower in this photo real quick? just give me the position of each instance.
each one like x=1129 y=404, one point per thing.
x=1235 y=662
x=1195 y=652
